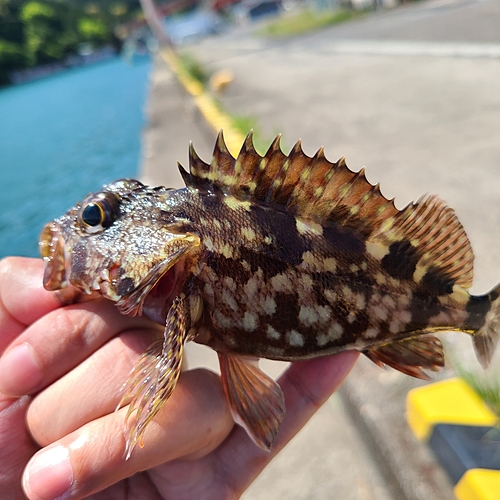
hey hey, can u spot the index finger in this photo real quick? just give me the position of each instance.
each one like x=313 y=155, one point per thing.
x=23 y=299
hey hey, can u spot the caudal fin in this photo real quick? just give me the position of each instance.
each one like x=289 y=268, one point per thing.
x=486 y=338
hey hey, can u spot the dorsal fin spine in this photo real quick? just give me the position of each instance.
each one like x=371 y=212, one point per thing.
x=186 y=176
x=277 y=181
x=220 y=151
x=198 y=169
x=246 y=149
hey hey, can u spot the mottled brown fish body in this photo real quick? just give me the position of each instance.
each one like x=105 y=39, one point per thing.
x=278 y=288
x=282 y=257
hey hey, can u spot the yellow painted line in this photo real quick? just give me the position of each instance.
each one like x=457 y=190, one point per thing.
x=478 y=484
x=206 y=104
x=451 y=401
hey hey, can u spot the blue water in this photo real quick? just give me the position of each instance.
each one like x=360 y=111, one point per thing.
x=63 y=137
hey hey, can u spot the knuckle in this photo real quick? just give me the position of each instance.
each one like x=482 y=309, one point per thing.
x=306 y=393
x=71 y=325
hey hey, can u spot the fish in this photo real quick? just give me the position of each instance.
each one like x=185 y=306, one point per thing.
x=285 y=257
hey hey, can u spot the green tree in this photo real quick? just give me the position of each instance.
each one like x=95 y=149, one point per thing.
x=93 y=30
x=43 y=29
x=11 y=27
x=35 y=32
x=11 y=39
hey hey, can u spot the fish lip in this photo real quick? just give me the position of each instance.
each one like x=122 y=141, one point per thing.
x=53 y=251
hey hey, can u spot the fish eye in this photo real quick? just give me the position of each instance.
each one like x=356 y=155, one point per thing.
x=98 y=212
x=93 y=215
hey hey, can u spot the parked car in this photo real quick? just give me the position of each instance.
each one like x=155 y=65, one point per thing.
x=194 y=26
x=257 y=9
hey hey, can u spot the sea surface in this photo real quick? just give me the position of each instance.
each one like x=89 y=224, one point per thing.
x=62 y=137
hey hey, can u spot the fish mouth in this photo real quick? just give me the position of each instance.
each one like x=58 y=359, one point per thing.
x=52 y=249
x=152 y=297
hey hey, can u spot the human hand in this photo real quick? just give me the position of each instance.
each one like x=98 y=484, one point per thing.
x=57 y=411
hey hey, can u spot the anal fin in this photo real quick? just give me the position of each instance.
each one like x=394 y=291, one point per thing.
x=155 y=376
x=410 y=356
x=256 y=400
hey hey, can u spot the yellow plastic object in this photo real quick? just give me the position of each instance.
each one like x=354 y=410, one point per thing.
x=478 y=484
x=451 y=401
x=220 y=80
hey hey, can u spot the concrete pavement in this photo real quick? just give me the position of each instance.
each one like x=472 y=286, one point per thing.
x=393 y=92
x=172 y=122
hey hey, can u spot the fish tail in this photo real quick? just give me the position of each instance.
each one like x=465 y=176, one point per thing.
x=486 y=308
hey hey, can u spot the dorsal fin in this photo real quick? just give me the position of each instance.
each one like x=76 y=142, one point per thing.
x=316 y=189
x=431 y=229
x=308 y=187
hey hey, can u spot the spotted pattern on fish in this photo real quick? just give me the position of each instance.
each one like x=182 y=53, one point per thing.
x=278 y=256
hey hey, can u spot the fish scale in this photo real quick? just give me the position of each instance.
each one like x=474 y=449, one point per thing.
x=284 y=257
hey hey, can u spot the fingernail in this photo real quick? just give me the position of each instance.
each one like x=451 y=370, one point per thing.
x=20 y=372
x=49 y=475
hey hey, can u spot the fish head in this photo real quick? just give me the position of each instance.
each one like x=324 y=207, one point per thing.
x=122 y=242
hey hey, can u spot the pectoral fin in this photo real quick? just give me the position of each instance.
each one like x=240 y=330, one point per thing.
x=256 y=400
x=410 y=356
x=155 y=376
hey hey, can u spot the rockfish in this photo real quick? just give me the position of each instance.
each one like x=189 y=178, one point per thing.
x=281 y=257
